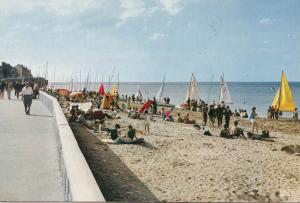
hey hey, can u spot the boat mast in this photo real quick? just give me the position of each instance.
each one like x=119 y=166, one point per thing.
x=221 y=84
x=96 y=75
x=80 y=80
x=280 y=91
x=118 y=84
x=212 y=79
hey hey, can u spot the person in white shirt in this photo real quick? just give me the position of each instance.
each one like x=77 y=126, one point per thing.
x=27 y=97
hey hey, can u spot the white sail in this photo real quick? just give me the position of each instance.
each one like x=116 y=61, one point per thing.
x=138 y=94
x=224 y=92
x=193 y=90
x=159 y=96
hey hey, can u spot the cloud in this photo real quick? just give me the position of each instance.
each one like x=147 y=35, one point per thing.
x=157 y=36
x=172 y=7
x=266 y=21
x=131 y=9
x=169 y=22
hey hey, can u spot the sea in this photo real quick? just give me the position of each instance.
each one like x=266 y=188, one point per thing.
x=245 y=95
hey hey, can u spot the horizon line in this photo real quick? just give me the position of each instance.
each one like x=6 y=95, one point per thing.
x=179 y=82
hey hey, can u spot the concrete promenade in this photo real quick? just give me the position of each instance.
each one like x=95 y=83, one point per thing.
x=29 y=158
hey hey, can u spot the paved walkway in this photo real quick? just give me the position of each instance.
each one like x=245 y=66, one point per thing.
x=29 y=169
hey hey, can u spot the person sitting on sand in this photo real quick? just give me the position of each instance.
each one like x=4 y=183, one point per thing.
x=179 y=119
x=114 y=133
x=90 y=114
x=252 y=117
x=186 y=119
x=81 y=118
x=236 y=131
x=236 y=113
x=169 y=116
x=244 y=114
x=73 y=112
x=225 y=133
x=131 y=134
x=102 y=126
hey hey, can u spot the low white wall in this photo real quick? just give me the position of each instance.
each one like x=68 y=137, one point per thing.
x=79 y=182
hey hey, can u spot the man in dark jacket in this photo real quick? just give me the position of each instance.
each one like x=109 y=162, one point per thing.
x=227 y=115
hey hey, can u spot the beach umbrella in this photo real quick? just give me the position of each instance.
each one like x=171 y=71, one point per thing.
x=101 y=90
x=63 y=92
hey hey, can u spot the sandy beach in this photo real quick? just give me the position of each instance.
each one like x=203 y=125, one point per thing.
x=179 y=163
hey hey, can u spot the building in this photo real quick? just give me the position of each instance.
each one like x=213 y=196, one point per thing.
x=19 y=73
x=7 y=71
x=23 y=71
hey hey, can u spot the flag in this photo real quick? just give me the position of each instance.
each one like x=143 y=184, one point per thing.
x=101 y=90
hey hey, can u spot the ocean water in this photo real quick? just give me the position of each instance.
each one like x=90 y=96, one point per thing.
x=245 y=95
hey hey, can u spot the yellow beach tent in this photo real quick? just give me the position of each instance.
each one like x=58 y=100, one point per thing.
x=113 y=91
x=283 y=99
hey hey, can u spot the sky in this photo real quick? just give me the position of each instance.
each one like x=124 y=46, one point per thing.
x=247 y=40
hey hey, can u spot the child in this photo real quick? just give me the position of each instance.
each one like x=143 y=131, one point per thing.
x=147 y=122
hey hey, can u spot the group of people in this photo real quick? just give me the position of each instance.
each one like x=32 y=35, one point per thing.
x=274 y=113
x=214 y=115
x=195 y=105
x=217 y=113
x=132 y=98
x=28 y=90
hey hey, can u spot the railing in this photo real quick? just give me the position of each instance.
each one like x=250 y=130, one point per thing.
x=78 y=180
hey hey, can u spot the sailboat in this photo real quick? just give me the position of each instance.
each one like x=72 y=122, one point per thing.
x=193 y=90
x=159 y=97
x=283 y=100
x=224 y=95
x=138 y=95
x=160 y=93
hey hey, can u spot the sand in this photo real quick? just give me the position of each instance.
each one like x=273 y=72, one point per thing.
x=179 y=163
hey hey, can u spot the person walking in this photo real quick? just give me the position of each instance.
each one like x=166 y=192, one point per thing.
x=27 y=97
x=2 y=88
x=148 y=119
x=211 y=115
x=252 y=117
x=8 y=90
x=205 y=114
x=227 y=115
x=219 y=115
